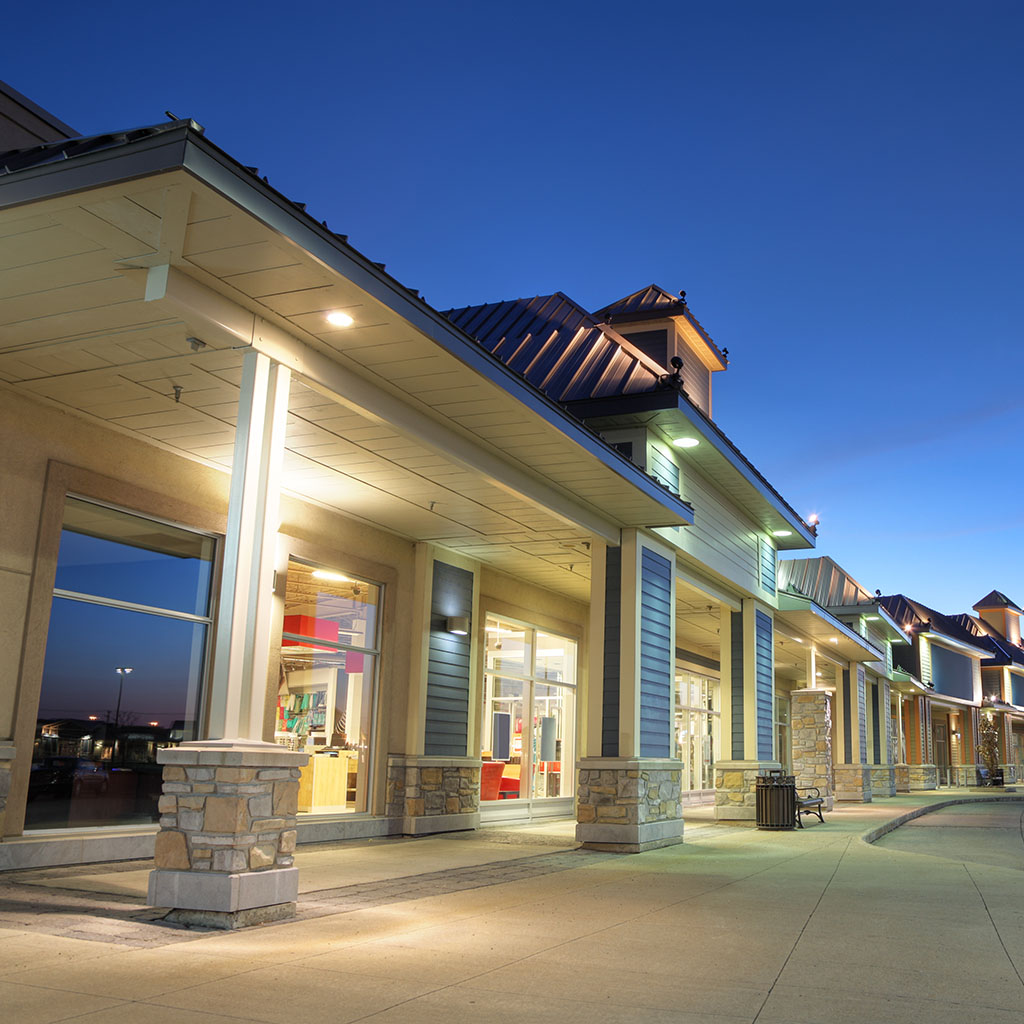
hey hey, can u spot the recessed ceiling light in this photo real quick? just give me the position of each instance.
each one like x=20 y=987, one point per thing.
x=782 y=533
x=339 y=319
x=686 y=442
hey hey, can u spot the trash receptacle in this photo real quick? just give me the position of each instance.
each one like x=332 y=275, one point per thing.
x=776 y=801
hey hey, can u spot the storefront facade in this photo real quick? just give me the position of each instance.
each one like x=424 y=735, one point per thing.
x=294 y=557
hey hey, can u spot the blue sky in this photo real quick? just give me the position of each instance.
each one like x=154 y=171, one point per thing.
x=836 y=186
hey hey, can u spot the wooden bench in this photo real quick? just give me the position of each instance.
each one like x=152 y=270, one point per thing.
x=811 y=803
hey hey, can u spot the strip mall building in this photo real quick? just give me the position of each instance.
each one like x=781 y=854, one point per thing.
x=288 y=555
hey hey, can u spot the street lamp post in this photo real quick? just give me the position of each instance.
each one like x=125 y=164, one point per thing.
x=122 y=671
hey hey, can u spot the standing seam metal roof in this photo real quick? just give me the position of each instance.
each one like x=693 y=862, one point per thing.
x=558 y=347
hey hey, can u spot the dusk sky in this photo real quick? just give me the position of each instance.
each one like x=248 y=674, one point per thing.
x=836 y=186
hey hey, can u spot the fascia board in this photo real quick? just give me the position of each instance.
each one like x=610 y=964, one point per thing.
x=141 y=158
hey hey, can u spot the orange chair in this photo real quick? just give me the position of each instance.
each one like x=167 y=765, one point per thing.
x=490 y=779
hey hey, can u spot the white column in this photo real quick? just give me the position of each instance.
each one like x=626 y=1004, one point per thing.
x=242 y=640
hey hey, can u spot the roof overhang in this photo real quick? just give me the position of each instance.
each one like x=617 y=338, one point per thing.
x=957 y=645
x=617 y=493
x=909 y=683
x=672 y=415
x=874 y=611
x=820 y=625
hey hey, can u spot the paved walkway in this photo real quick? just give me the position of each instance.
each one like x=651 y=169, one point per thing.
x=736 y=925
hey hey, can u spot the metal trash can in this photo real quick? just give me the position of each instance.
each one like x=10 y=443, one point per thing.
x=776 y=801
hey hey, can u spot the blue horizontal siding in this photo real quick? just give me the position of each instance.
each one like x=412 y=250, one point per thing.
x=656 y=655
x=612 y=647
x=764 y=682
x=447 y=717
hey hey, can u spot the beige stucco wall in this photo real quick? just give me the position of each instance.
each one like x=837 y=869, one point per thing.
x=46 y=452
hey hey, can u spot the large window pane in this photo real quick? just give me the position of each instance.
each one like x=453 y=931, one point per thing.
x=94 y=761
x=529 y=724
x=108 y=553
x=325 y=698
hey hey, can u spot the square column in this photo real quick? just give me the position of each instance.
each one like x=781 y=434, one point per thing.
x=434 y=785
x=883 y=771
x=811 y=726
x=629 y=781
x=748 y=693
x=921 y=770
x=223 y=855
x=852 y=772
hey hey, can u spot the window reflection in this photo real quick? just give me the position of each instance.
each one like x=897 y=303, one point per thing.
x=98 y=728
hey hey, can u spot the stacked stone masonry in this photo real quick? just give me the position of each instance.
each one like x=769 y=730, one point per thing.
x=629 y=796
x=227 y=819
x=811 y=730
x=853 y=783
x=415 y=791
x=736 y=791
x=922 y=777
x=883 y=780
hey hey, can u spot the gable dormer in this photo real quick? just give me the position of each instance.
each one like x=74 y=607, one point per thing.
x=662 y=326
x=1001 y=614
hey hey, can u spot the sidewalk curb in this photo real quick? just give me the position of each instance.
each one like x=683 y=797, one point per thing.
x=890 y=826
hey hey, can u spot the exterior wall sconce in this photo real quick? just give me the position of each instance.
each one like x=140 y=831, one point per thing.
x=457 y=624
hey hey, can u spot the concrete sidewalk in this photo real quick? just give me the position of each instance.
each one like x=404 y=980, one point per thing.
x=734 y=925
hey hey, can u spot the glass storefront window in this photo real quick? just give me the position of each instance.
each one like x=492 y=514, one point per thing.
x=697 y=720
x=529 y=713
x=125 y=657
x=325 y=699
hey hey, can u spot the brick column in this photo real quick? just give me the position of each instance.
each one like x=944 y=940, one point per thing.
x=811 y=727
x=224 y=853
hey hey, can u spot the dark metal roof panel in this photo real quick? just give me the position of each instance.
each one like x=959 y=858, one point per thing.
x=912 y=616
x=557 y=346
x=650 y=299
x=997 y=599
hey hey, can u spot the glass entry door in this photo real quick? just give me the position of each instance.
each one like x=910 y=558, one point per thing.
x=529 y=714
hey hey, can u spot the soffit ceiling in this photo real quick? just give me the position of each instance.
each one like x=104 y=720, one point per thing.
x=75 y=331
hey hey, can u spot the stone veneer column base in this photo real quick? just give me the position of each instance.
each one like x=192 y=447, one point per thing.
x=224 y=853
x=629 y=805
x=433 y=794
x=883 y=780
x=853 y=783
x=902 y=772
x=922 y=777
x=736 y=788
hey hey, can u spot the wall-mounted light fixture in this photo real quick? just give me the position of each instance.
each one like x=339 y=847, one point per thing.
x=457 y=624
